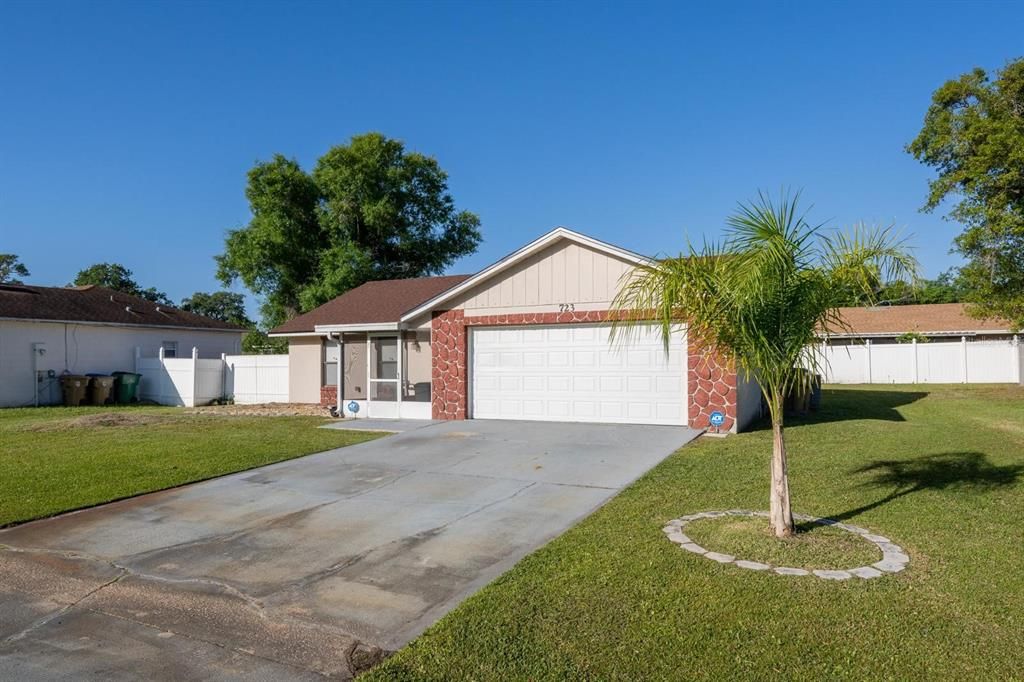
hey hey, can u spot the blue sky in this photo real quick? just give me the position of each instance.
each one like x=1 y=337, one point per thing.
x=126 y=129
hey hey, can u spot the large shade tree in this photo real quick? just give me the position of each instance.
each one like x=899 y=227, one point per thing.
x=370 y=209
x=973 y=136
x=760 y=297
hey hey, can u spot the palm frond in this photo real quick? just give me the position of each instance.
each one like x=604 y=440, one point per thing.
x=763 y=294
x=864 y=258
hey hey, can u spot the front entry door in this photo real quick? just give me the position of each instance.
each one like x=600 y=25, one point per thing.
x=384 y=369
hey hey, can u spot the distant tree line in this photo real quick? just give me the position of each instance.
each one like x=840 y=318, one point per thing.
x=948 y=287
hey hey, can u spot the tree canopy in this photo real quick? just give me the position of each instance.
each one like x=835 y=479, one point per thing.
x=369 y=210
x=948 y=287
x=973 y=136
x=256 y=342
x=119 y=278
x=226 y=306
x=11 y=269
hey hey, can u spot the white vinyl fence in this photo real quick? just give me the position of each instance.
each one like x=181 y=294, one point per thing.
x=252 y=379
x=936 y=362
x=248 y=379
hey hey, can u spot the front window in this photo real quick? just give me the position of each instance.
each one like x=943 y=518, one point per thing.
x=330 y=369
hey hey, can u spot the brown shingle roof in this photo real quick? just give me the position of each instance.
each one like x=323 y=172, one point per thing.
x=372 y=303
x=934 y=318
x=96 y=304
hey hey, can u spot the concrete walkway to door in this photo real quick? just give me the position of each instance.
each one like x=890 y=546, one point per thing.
x=306 y=567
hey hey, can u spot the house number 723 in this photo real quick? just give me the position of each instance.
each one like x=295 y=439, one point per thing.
x=566 y=307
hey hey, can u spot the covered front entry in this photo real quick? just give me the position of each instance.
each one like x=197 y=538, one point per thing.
x=398 y=375
x=570 y=372
x=383 y=379
x=384 y=375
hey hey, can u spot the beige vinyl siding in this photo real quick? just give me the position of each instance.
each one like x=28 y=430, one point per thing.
x=564 y=273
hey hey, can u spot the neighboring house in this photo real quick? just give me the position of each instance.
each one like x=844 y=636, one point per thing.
x=933 y=343
x=526 y=338
x=47 y=331
x=932 y=321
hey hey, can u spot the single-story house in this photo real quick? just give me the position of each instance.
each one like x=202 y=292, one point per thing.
x=525 y=338
x=930 y=321
x=921 y=344
x=48 y=331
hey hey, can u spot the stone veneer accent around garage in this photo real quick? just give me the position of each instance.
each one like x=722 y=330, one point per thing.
x=711 y=382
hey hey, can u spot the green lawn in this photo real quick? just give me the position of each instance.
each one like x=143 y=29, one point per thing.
x=938 y=469
x=813 y=546
x=57 y=459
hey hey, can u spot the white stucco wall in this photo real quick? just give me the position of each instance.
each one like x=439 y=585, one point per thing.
x=748 y=401
x=305 y=368
x=89 y=348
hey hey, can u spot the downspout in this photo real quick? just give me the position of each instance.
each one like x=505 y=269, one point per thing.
x=339 y=382
x=35 y=371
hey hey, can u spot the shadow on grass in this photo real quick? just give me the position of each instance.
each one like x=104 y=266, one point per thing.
x=844 y=404
x=948 y=470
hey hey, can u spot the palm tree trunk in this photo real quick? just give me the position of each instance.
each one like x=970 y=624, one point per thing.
x=780 y=511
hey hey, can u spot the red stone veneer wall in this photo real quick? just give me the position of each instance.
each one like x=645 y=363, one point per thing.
x=712 y=386
x=328 y=395
x=712 y=382
x=448 y=363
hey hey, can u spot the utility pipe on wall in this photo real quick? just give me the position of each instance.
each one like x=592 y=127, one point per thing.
x=36 y=352
x=339 y=371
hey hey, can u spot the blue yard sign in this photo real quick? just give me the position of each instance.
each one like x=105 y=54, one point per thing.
x=353 y=407
x=716 y=419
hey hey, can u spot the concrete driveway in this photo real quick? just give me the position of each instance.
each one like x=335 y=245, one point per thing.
x=313 y=566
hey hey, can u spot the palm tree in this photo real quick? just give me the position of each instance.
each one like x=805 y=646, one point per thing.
x=761 y=297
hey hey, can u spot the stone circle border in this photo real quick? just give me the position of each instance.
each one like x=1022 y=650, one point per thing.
x=894 y=558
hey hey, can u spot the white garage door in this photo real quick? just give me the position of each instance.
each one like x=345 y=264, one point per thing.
x=571 y=373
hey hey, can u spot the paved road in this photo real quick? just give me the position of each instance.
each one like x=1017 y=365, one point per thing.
x=309 y=567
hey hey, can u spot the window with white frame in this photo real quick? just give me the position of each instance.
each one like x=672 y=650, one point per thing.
x=170 y=349
x=330 y=373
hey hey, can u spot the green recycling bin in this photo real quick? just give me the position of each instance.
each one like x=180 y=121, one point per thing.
x=126 y=386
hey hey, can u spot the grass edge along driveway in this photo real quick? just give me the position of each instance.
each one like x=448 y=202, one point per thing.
x=55 y=460
x=936 y=468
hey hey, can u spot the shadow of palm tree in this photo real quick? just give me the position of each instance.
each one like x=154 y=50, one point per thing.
x=943 y=471
x=844 y=404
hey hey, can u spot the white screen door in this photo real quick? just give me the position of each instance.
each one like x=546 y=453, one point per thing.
x=383 y=398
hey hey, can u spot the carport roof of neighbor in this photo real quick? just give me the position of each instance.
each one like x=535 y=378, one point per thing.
x=385 y=304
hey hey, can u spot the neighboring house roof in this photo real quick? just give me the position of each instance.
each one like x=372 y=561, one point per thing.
x=933 y=318
x=97 y=305
x=379 y=302
x=508 y=261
